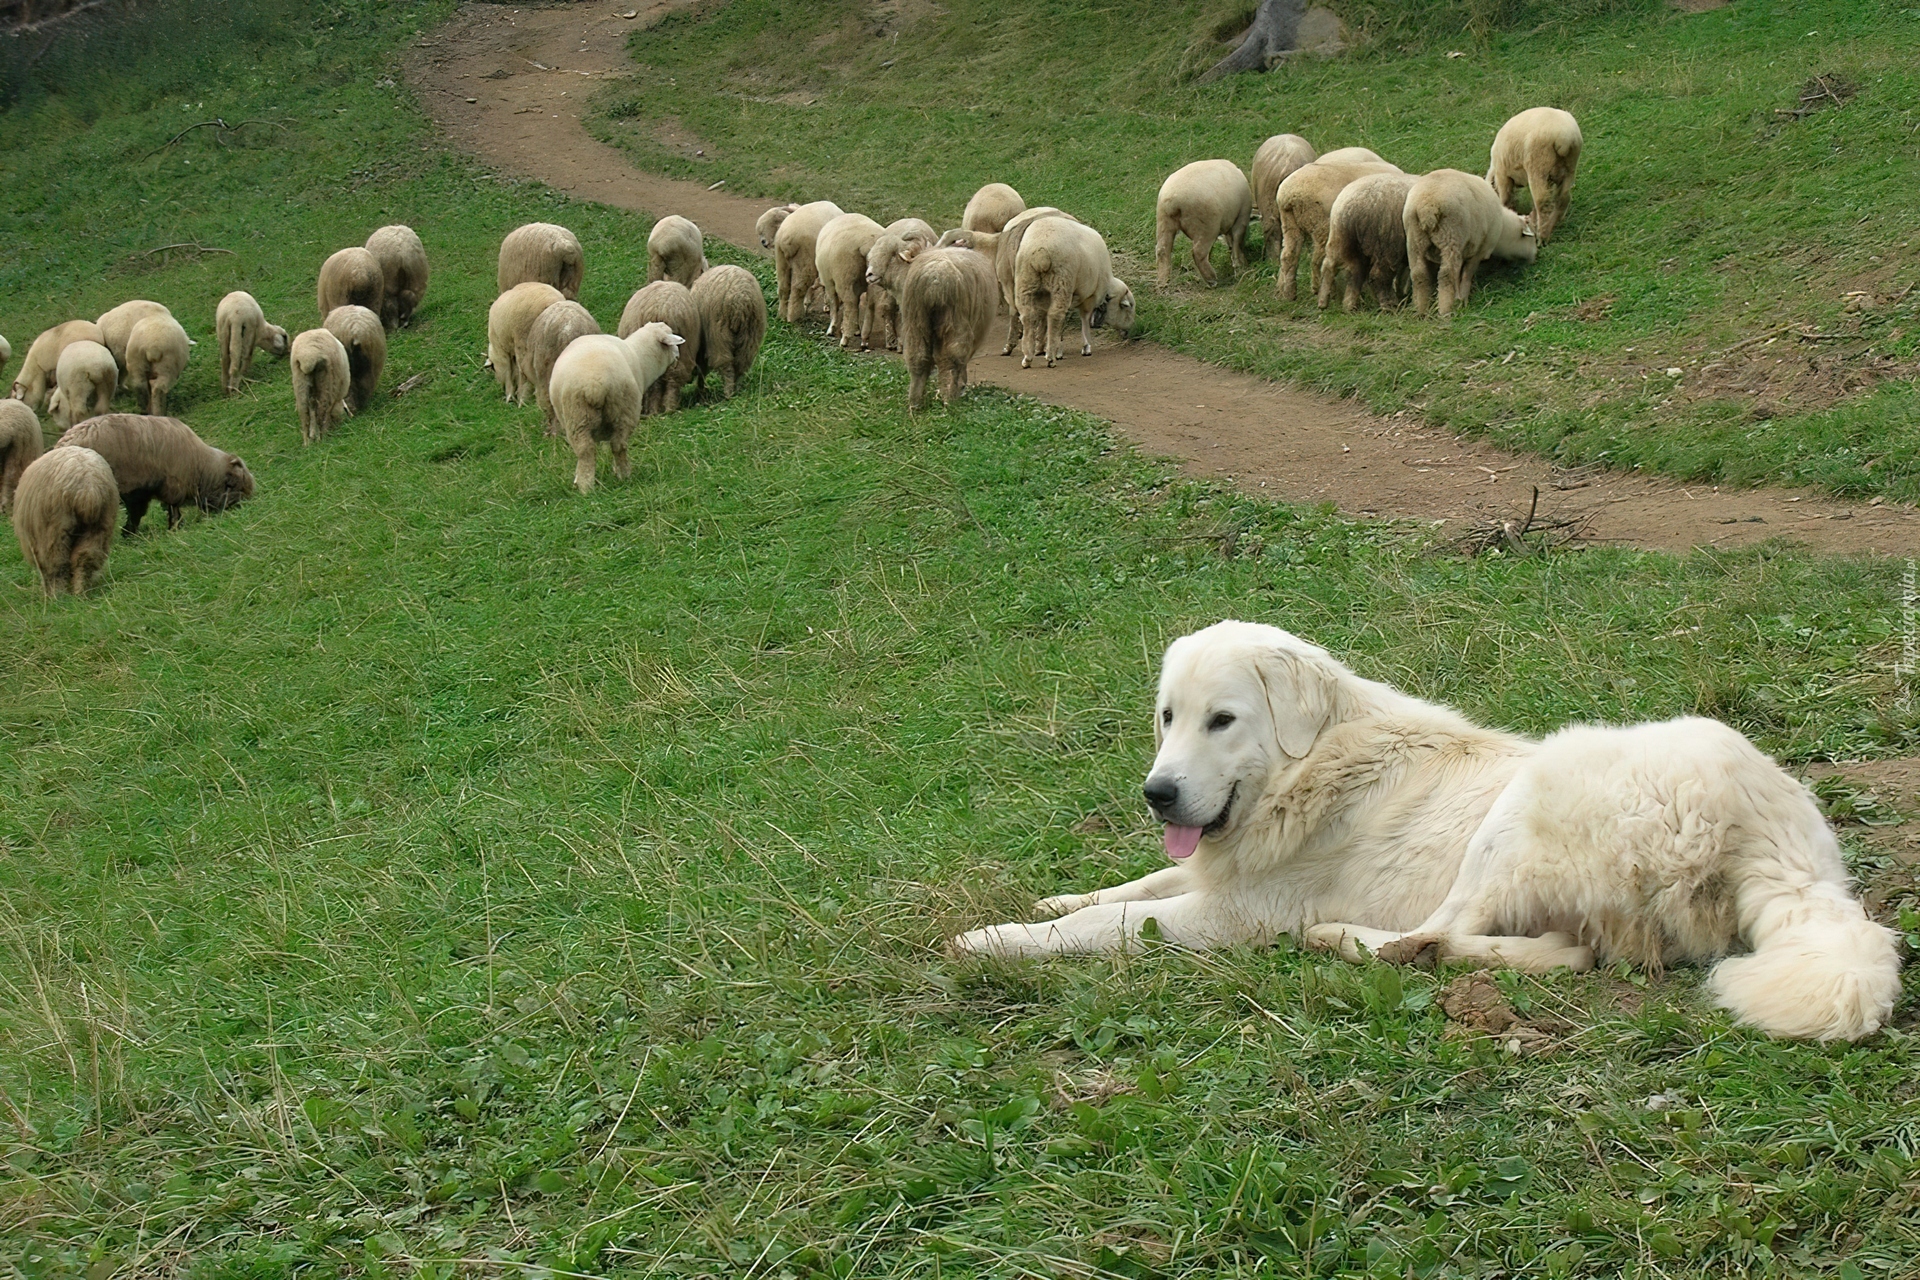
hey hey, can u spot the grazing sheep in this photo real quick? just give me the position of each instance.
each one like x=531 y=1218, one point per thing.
x=1455 y=219
x=155 y=458
x=733 y=323
x=1367 y=238
x=1060 y=264
x=6 y=352
x=87 y=381
x=321 y=379
x=116 y=326
x=508 y=321
x=1540 y=147
x=1277 y=157
x=20 y=443
x=991 y=207
x=1351 y=155
x=63 y=515
x=840 y=258
x=352 y=278
x=543 y=253
x=1003 y=250
x=403 y=272
x=156 y=357
x=39 y=372
x=547 y=337
x=672 y=304
x=1202 y=201
x=675 y=251
x=599 y=383
x=794 y=270
x=767 y=225
x=885 y=294
x=1305 y=200
x=947 y=302
x=240 y=328
x=365 y=339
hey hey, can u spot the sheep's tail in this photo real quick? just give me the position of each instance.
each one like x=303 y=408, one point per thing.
x=1819 y=969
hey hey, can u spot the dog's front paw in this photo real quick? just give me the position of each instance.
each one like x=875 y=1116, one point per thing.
x=1061 y=904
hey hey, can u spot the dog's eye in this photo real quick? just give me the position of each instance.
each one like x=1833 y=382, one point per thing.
x=1166 y=715
x=1220 y=720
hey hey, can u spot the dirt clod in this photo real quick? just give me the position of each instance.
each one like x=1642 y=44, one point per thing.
x=1475 y=1006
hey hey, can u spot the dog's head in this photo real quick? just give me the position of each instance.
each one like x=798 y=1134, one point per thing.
x=1238 y=702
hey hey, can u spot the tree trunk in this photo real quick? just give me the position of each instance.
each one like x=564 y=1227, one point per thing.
x=1276 y=26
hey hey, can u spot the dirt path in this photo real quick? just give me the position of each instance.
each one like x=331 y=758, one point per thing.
x=510 y=85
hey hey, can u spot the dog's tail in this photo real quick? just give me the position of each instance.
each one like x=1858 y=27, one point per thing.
x=1819 y=969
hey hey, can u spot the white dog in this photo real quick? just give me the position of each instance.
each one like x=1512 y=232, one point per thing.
x=1300 y=798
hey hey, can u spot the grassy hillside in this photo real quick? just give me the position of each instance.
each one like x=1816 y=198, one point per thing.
x=1710 y=231
x=422 y=870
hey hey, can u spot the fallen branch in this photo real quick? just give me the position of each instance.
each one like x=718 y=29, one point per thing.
x=185 y=244
x=1510 y=534
x=216 y=123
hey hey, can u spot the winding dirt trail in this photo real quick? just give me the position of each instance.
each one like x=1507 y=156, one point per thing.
x=510 y=85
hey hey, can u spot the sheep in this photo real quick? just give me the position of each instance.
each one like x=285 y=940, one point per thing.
x=116 y=326
x=508 y=321
x=733 y=323
x=675 y=251
x=946 y=305
x=672 y=304
x=547 y=337
x=599 y=383
x=20 y=443
x=63 y=515
x=1062 y=263
x=240 y=328
x=1203 y=201
x=1541 y=147
x=840 y=258
x=1351 y=155
x=403 y=273
x=156 y=357
x=6 y=352
x=40 y=370
x=885 y=296
x=795 y=272
x=1457 y=220
x=87 y=381
x=155 y=458
x=1003 y=249
x=767 y=225
x=321 y=379
x=991 y=207
x=352 y=278
x=1367 y=238
x=544 y=253
x=1277 y=157
x=1304 y=200
x=365 y=339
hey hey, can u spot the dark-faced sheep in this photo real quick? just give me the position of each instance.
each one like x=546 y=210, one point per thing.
x=991 y=207
x=20 y=443
x=1367 y=239
x=1305 y=201
x=86 y=380
x=675 y=251
x=508 y=321
x=365 y=339
x=157 y=459
x=1277 y=157
x=599 y=383
x=733 y=323
x=403 y=272
x=117 y=325
x=39 y=372
x=351 y=278
x=672 y=304
x=63 y=516
x=544 y=253
x=157 y=352
x=240 y=328
x=1540 y=147
x=840 y=260
x=946 y=306
x=548 y=336
x=321 y=379
x=1455 y=221
x=1062 y=264
x=794 y=270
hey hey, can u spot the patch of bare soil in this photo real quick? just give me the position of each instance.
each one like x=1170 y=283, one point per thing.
x=1880 y=808
x=1262 y=436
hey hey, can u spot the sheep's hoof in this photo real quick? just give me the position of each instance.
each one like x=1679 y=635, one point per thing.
x=1026 y=362
x=1086 y=348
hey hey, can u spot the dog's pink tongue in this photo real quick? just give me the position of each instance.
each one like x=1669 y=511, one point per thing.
x=1182 y=841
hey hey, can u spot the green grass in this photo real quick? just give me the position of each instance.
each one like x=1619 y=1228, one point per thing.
x=422 y=870
x=1702 y=217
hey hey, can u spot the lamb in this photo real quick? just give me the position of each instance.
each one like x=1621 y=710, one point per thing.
x=947 y=302
x=547 y=337
x=1305 y=200
x=352 y=278
x=365 y=339
x=991 y=207
x=840 y=257
x=1062 y=263
x=1457 y=220
x=795 y=272
x=508 y=321
x=116 y=326
x=544 y=253
x=156 y=357
x=1277 y=157
x=403 y=273
x=1541 y=147
x=20 y=443
x=733 y=323
x=675 y=251
x=321 y=379
x=156 y=458
x=240 y=328
x=1203 y=201
x=1367 y=238
x=39 y=372
x=767 y=225
x=87 y=380
x=598 y=385
x=672 y=304
x=63 y=515
x=885 y=295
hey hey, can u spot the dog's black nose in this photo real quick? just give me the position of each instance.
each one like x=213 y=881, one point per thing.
x=1161 y=794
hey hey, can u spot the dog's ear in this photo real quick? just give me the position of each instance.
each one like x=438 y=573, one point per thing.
x=1299 y=690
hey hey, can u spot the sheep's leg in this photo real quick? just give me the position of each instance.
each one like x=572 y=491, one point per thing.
x=1351 y=302
x=1015 y=327
x=1449 y=279
x=917 y=371
x=1237 y=243
x=1203 y=255
x=1057 y=303
x=1289 y=259
x=783 y=284
x=136 y=512
x=1270 y=238
x=622 y=462
x=1502 y=186
x=670 y=398
x=1324 y=294
x=732 y=382
x=1467 y=269
x=1420 y=277
x=1086 y=331
x=173 y=515
x=1164 y=231
x=949 y=380
x=1032 y=319
x=585 y=453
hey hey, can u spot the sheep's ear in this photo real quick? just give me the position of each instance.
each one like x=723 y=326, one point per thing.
x=234 y=464
x=675 y=340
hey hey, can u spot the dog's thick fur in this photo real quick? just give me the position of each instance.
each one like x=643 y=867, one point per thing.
x=1300 y=798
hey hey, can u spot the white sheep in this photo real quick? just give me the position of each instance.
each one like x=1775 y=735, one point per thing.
x=116 y=326
x=403 y=272
x=240 y=328
x=6 y=352
x=21 y=441
x=947 y=303
x=675 y=251
x=884 y=293
x=1305 y=201
x=1003 y=249
x=322 y=377
x=767 y=225
x=351 y=278
x=733 y=323
x=794 y=270
x=508 y=321
x=544 y=253
x=552 y=330
x=1352 y=155
x=1367 y=238
x=1540 y=147
x=1203 y=201
x=598 y=385
x=87 y=379
x=365 y=338
x=157 y=351
x=991 y=207
x=840 y=259
x=1277 y=157
x=1454 y=219
x=1061 y=264
x=39 y=372
x=671 y=303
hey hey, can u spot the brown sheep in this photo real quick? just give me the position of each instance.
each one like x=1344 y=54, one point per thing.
x=321 y=379
x=544 y=253
x=551 y=331
x=403 y=273
x=20 y=443
x=1367 y=238
x=161 y=459
x=240 y=328
x=157 y=352
x=1277 y=157
x=365 y=339
x=671 y=303
x=946 y=306
x=733 y=323
x=1455 y=220
x=352 y=278
x=116 y=326
x=39 y=372
x=991 y=207
x=63 y=515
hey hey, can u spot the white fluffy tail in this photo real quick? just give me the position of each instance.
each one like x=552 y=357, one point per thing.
x=1819 y=970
